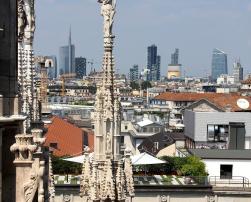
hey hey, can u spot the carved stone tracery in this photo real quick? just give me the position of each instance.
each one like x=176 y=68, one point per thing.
x=23 y=148
x=30 y=188
x=26 y=29
x=108 y=177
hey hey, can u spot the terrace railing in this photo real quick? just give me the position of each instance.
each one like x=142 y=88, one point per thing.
x=235 y=181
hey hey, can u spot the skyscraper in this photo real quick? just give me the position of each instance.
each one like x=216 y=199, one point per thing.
x=80 y=67
x=175 y=57
x=153 y=63
x=134 y=73
x=174 y=69
x=238 y=72
x=219 y=64
x=67 y=58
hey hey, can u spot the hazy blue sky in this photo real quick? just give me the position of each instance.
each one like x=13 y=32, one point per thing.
x=193 y=26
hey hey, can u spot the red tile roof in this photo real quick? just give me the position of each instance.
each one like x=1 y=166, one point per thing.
x=221 y=100
x=188 y=97
x=229 y=101
x=68 y=137
x=247 y=81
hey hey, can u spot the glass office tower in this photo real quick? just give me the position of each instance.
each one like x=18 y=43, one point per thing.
x=219 y=64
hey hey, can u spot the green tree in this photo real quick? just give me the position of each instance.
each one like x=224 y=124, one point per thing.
x=194 y=167
x=92 y=89
x=175 y=163
x=60 y=166
x=134 y=85
x=146 y=84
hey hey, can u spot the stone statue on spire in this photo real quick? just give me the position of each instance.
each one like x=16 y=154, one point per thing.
x=108 y=12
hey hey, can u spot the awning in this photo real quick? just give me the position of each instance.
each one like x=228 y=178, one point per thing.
x=145 y=159
x=78 y=159
x=140 y=159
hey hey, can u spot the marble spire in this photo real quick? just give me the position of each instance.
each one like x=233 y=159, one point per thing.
x=104 y=177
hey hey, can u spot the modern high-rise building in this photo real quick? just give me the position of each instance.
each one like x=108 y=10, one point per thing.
x=174 y=69
x=219 y=64
x=67 y=58
x=80 y=67
x=237 y=71
x=175 y=57
x=153 y=63
x=134 y=73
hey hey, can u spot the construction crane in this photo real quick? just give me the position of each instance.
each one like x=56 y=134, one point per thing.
x=63 y=79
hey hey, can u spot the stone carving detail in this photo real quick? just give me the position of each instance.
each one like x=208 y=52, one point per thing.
x=85 y=177
x=211 y=199
x=30 y=188
x=108 y=12
x=120 y=182
x=67 y=198
x=94 y=192
x=51 y=184
x=23 y=148
x=26 y=29
x=108 y=188
x=22 y=19
x=38 y=138
x=30 y=21
x=129 y=173
x=164 y=198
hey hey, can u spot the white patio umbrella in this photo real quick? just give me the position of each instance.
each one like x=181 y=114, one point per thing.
x=145 y=159
x=78 y=159
x=180 y=125
x=140 y=159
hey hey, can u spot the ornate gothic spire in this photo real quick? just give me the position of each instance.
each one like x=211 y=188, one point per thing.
x=26 y=29
x=108 y=168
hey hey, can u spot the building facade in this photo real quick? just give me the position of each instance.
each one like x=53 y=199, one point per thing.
x=134 y=73
x=219 y=64
x=218 y=129
x=67 y=58
x=153 y=63
x=80 y=63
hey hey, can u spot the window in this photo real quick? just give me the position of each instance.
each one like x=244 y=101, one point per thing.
x=54 y=145
x=126 y=127
x=217 y=133
x=226 y=171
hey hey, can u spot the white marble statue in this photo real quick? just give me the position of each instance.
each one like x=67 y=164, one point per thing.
x=108 y=11
x=22 y=20
x=30 y=17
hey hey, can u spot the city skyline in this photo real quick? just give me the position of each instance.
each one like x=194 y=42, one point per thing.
x=169 y=25
x=67 y=58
